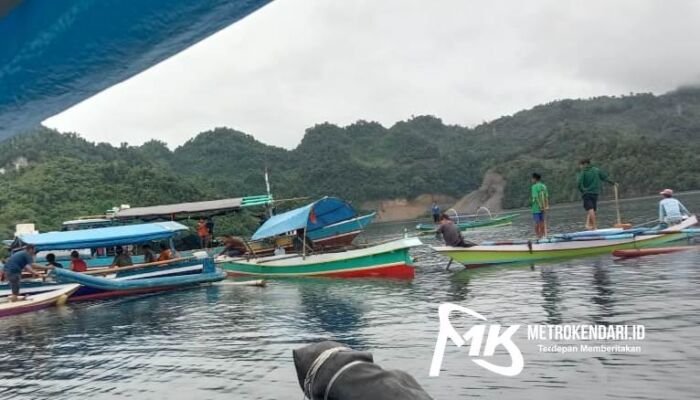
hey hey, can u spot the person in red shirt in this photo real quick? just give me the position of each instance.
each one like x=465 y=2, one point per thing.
x=76 y=264
x=203 y=233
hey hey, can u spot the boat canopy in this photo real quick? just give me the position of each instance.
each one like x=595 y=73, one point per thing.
x=318 y=214
x=102 y=237
x=55 y=54
x=198 y=209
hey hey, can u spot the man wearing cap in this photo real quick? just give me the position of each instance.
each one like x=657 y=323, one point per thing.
x=671 y=211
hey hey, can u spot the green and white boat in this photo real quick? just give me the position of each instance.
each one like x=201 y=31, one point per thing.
x=474 y=224
x=387 y=260
x=559 y=248
x=390 y=259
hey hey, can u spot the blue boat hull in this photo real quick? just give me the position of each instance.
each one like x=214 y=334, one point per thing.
x=139 y=281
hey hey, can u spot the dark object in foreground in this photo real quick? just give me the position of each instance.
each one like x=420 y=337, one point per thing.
x=330 y=371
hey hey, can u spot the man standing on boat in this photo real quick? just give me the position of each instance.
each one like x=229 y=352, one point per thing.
x=671 y=211
x=450 y=233
x=22 y=260
x=539 y=198
x=435 y=209
x=589 y=182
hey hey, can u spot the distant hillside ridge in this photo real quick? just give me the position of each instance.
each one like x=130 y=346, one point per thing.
x=645 y=142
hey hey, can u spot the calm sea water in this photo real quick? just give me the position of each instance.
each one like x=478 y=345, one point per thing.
x=232 y=342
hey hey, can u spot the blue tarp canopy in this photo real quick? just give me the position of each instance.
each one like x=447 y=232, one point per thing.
x=316 y=215
x=102 y=237
x=57 y=53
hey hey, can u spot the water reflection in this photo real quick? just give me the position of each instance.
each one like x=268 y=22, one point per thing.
x=551 y=294
x=459 y=286
x=604 y=294
x=332 y=312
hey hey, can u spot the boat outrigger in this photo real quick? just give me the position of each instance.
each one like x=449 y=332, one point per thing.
x=108 y=282
x=521 y=251
x=475 y=223
x=390 y=259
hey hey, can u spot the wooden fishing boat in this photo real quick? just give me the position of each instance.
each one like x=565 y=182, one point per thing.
x=633 y=253
x=58 y=295
x=329 y=223
x=387 y=260
x=333 y=236
x=558 y=248
x=109 y=282
x=115 y=285
x=474 y=224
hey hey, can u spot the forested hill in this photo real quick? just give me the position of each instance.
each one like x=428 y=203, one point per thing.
x=645 y=142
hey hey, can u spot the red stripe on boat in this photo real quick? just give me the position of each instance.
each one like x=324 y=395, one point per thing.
x=396 y=271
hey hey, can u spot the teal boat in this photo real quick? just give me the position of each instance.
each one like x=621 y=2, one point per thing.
x=96 y=283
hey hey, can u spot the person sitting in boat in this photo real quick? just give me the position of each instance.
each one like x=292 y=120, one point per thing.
x=671 y=211
x=450 y=233
x=203 y=233
x=76 y=263
x=22 y=260
x=51 y=261
x=300 y=241
x=121 y=259
x=165 y=253
x=149 y=255
x=233 y=246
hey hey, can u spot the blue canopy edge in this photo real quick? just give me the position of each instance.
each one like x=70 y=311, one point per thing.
x=316 y=215
x=103 y=237
x=55 y=54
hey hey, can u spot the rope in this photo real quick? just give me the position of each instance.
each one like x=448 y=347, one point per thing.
x=337 y=375
x=315 y=366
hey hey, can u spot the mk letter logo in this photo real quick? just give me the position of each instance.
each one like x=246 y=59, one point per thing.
x=476 y=336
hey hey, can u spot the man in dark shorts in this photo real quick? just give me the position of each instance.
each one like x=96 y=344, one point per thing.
x=589 y=182
x=435 y=210
x=21 y=260
x=450 y=233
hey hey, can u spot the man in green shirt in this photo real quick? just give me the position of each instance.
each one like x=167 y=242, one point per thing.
x=539 y=198
x=589 y=182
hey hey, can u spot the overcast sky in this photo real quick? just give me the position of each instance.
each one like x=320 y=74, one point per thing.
x=295 y=63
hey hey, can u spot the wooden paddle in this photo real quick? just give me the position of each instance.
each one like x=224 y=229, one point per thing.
x=619 y=223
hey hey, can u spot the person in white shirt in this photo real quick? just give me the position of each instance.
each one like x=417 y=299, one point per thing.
x=671 y=211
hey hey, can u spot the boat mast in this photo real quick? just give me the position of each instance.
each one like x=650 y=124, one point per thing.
x=269 y=192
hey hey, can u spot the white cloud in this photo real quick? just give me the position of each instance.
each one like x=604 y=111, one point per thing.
x=295 y=63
